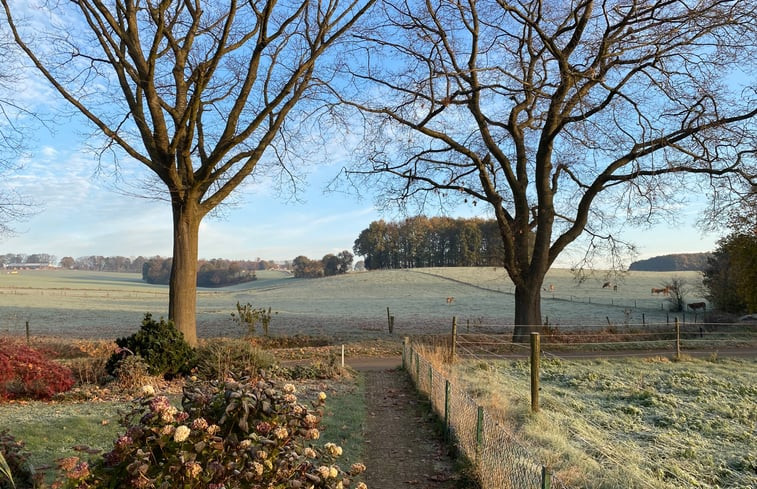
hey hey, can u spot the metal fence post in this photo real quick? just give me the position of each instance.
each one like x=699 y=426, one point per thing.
x=479 y=428
x=454 y=340
x=678 y=340
x=546 y=478
x=535 y=372
x=418 y=368
x=405 y=344
x=446 y=407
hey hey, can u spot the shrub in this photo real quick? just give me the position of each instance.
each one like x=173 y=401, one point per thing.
x=248 y=317
x=89 y=370
x=26 y=373
x=316 y=370
x=20 y=472
x=229 y=434
x=218 y=358
x=132 y=372
x=160 y=344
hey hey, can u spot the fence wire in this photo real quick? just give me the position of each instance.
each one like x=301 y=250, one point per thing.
x=500 y=462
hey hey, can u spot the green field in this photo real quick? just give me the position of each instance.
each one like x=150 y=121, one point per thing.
x=353 y=306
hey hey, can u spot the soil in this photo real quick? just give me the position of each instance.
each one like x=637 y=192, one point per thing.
x=403 y=448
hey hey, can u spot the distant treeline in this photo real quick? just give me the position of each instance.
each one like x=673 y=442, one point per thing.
x=210 y=273
x=682 y=262
x=431 y=242
x=304 y=267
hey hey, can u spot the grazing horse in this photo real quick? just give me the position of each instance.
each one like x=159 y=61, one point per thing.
x=606 y=285
x=450 y=300
x=695 y=306
x=664 y=291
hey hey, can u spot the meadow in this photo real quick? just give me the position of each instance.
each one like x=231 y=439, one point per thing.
x=630 y=423
x=78 y=304
x=608 y=421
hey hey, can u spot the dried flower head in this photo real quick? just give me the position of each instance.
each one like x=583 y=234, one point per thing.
x=334 y=449
x=199 y=424
x=181 y=433
x=280 y=432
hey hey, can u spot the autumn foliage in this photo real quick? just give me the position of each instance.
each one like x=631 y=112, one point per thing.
x=29 y=373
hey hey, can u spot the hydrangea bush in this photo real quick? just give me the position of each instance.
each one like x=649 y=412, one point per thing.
x=232 y=434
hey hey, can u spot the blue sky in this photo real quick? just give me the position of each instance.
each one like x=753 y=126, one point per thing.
x=80 y=213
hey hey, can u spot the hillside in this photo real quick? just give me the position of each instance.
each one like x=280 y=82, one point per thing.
x=682 y=262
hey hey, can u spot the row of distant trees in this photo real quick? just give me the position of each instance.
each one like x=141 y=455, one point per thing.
x=430 y=242
x=211 y=273
x=15 y=258
x=304 y=267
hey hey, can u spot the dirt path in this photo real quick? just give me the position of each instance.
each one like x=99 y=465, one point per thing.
x=403 y=450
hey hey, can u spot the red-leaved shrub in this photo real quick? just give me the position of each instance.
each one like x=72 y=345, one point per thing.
x=27 y=373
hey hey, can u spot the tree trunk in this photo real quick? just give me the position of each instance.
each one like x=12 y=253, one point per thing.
x=527 y=311
x=182 y=297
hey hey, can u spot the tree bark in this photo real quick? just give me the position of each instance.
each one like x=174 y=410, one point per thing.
x=182 y=296
x=527 y=311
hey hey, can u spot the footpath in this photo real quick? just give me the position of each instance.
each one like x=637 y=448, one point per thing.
x=403 y=448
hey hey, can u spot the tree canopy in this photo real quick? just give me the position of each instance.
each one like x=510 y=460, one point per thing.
x=430 y=242
x=199 y=92
x=565 y=119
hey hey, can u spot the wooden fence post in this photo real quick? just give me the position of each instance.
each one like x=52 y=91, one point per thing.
x=390 y=321
x=535 y=372
x=405 y=345
x=28 y=341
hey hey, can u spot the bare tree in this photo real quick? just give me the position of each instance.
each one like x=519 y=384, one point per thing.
x=196 y=91
x=566 y=119
x=14 y=207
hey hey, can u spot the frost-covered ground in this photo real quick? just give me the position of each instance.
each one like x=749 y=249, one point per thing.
x=86 y=304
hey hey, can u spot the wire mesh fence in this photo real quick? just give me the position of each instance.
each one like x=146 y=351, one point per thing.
x=500 y=462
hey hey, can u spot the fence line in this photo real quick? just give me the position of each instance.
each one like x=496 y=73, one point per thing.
x=500 y=462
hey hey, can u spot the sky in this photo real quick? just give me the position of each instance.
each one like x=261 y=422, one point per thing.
x=81 y=212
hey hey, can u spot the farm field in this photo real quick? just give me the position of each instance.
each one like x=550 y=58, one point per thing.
x=104 y=305
x=630 y=423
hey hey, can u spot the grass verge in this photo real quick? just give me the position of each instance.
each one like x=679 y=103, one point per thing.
x=50 y=431
x=344 y=421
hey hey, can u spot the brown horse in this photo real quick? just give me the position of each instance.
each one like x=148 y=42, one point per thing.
x=695 y=306
x=450 y=300
x=664 y=291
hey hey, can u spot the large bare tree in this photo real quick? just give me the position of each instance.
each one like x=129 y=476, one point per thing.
x=563 y=117
x=197 y=91
x=14 y=116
